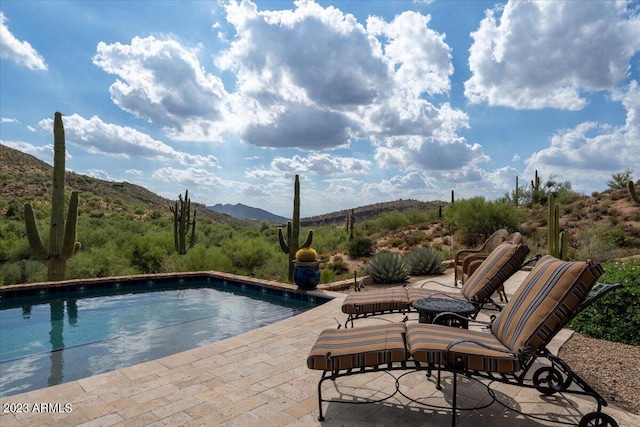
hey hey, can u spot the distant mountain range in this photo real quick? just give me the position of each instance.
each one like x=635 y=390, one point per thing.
x=246 y=212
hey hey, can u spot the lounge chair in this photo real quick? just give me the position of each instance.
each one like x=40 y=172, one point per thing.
x=549 y=297
x=472 y=261
x=460 y=266
x=501 y=264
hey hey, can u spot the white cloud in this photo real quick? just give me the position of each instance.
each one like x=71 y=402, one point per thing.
x=134 y=172
x=20 y=52
x=43 y=152
x=99 y=174
x=419 y=54
x=96 y=136
x=321 y=164
x=539 y=54
x=314 y=78
x=590 y=152
x=164 y=82
x=195 y=176
x=8 y=120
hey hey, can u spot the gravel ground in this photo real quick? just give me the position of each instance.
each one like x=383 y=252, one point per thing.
x=613 y=369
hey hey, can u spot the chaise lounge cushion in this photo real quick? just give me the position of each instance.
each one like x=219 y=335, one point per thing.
x=501 y=264
x=544 y=301
x=372 y=345
x=427 y=344
x=377 y=301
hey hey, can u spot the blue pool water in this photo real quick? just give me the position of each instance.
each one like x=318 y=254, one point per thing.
x=43 y=343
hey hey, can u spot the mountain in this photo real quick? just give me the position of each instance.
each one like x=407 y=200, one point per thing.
x=24 y=178
x=246 y=212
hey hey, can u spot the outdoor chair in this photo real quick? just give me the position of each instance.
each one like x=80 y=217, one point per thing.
x=517 y=338
x=501 y=264
x=472 y=261
x=465 y=256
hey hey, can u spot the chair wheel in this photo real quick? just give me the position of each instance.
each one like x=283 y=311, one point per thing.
x=597 y=419
x=548 y=381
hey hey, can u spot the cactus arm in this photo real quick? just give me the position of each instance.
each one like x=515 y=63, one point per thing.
x=193 y=230
x=69 y=244
x=307 y=242
x=285 y=245
x=176 y=242
x=632 y=191
x=35 y=241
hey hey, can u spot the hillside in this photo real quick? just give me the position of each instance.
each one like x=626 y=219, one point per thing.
x=24 y=178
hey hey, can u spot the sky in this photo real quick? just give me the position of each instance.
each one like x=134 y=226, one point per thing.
x=368 y=101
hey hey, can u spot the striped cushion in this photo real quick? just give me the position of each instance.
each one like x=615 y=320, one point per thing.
x=377 y=301
x=415 y=294
x=427 y=344
x=501 y=264
x=372 y=345
x=543 y=302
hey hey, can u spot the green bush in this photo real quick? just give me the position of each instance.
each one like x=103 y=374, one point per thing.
x=616 y=316
x=386 y=267
x=478 y=216
x=360 y=246
x=424 y=261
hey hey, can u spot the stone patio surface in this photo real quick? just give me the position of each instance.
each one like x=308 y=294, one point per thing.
x=260 y=378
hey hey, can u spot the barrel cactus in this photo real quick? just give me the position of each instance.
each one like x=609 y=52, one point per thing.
x=424 y=261
x=387 y=267
x=306 y=255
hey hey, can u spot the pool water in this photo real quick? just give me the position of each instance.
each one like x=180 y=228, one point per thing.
x=44 y=343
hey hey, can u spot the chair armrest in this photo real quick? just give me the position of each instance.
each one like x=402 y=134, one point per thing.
x=465 y=252
x=438 y=283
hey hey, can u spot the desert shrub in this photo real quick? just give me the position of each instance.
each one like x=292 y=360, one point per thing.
x=424 y=261
x=386 y=267
x=327 y=276
x=616 y=316
x=248 y=254
x=338 y=265
x=478 y=216
x=360 y=246
x=599 y=243
x=389 y=221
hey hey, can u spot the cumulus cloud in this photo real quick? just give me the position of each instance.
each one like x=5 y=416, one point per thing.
x=589 y=152
x=315 y=78
x=195 y=176
x=164 y=82
x=321 y=164
x=42 y=152
x=99 y=174
x=20 y=52
x=538 y=54
x=96 y=136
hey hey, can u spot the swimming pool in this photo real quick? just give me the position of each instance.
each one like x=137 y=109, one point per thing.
x=47 y=340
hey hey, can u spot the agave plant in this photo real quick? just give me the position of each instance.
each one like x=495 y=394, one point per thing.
x=386 y=267
x=424 y=261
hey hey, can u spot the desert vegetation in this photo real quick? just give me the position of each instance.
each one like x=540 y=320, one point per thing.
x=125 y=230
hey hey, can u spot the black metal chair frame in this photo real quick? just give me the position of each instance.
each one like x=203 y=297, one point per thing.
x=478 y=304
x=555 y=376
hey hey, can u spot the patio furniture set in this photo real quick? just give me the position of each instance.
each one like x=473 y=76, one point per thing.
x=510 y=349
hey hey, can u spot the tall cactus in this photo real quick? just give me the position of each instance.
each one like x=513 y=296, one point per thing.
x=62 y=235
x=182 y=223
x=536 y=193
x=556 y=239
x=290 y=244
x=632 y=191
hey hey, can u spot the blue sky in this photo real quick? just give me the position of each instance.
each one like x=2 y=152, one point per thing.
x=368 y=101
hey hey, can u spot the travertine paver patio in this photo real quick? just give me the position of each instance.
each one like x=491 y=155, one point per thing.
x=260 y=378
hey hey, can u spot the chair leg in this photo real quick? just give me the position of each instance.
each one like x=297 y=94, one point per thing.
x=454 y=399
x=502 y=294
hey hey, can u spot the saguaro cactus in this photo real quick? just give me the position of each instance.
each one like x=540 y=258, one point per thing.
x=62 y=235
x=182 y=223
x=556 y=239
x=290 y=245
x=536 y=193
x=632 y=191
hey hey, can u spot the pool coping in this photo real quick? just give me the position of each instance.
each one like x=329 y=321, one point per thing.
x=49 y=289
